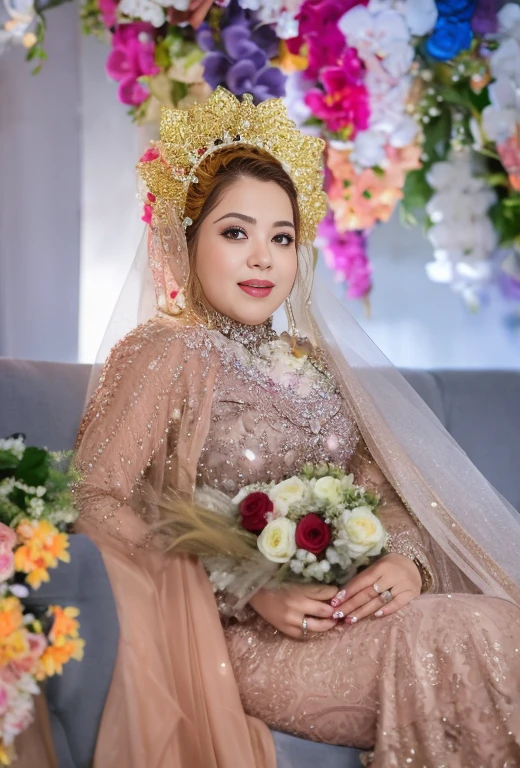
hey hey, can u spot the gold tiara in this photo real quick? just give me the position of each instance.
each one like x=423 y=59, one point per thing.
x=188 y=136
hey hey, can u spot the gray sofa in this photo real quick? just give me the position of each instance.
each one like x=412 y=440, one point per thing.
x=481 y=409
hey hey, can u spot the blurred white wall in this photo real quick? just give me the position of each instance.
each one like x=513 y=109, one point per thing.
x=40 y=179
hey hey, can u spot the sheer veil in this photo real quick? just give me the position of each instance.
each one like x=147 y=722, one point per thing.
x=467 y=518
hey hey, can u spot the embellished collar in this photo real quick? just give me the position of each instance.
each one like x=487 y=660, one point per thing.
x=250 y=336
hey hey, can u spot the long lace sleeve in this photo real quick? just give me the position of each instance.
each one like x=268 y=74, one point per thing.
x=144 y=428
x=406 y=536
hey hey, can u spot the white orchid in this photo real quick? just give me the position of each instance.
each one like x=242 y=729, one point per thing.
x=462 y=234
x=381 y=36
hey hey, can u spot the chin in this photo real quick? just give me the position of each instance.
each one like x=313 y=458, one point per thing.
x=252 y=315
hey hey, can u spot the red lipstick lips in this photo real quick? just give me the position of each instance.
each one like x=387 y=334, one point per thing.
x=257 y=288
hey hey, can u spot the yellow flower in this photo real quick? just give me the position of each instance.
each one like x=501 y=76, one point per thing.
x=42 y=547
x=6 y=754
x=56 y=655
x=64 y=642
x=11 y=616
x=14 y=647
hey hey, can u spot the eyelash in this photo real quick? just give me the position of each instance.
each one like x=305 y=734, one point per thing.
x=290 y=238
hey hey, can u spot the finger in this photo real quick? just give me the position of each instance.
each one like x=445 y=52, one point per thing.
x=319 y=625
x=352 y=605
x=384 y=582
x=355 y=603
x=363 y=580
x=320 y=591
x=315 y=608
x=396 y=604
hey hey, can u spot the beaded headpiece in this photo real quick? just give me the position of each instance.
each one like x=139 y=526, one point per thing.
x=188 y=136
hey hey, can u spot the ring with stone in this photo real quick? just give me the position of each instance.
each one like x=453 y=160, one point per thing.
x=376 y=588
x=304 y=626
x=387 y=596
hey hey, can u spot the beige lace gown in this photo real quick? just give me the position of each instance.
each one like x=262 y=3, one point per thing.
x=437 y=684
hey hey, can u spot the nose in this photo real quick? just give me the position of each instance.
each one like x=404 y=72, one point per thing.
x=260 y=257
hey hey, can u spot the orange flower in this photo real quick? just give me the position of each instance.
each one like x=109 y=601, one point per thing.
x=43 y=546
x=360 y=199
x=11 y=616
x=65 y=623
x=15 y=647
x=65 y=643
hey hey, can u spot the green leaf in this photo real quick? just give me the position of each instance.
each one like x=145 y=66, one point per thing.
x=437 y=134
x=162 y=55
x=416 y=191
x=179 y=91
x=33 y=468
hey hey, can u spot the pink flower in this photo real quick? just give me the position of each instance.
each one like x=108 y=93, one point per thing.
x=7 y=537
x=6 y=564
x=147 y=214
x=152 y=153
x=318 y=22
x=344 y=104
x=132 y=57
x=345 y=253
x=108 y=10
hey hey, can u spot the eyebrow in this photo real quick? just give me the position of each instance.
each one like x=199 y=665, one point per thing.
x=250 y=220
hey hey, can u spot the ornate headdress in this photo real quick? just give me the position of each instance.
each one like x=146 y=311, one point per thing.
x=189 y=136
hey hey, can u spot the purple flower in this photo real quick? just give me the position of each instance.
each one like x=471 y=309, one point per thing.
x=345 y=253
x=484 y=21
x=510 y=286
x=238 y=57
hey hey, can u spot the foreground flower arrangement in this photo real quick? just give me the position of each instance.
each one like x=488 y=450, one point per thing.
x=317 y=525
x=408 y=94
x=35 y=513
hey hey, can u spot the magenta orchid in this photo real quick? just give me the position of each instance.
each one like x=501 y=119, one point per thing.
x=131 y=58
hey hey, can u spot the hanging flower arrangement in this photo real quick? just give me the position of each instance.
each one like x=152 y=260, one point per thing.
x=417 y=100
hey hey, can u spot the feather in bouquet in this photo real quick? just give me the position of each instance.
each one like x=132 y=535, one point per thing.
x=35 y=512
x=316 y=526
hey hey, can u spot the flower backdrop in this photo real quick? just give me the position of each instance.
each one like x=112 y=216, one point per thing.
x=418 y=101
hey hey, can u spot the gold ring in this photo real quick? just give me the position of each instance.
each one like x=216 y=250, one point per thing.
x=387 y=596
x=304 y=626
x=376 y=588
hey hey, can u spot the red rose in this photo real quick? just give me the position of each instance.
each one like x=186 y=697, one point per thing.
x=313 y=534
x=254 y=509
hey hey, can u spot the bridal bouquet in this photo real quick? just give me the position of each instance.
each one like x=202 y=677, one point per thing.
x=316 y=526
x=35 y=512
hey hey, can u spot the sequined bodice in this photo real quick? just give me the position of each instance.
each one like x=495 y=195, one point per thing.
x=265 y=425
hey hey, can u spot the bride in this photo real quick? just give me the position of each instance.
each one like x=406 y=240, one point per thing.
x=417 y=659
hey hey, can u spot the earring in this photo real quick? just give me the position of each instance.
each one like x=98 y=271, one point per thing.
x=301 y=346
x=293 y=330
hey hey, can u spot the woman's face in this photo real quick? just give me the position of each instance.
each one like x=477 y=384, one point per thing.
x=245 y=257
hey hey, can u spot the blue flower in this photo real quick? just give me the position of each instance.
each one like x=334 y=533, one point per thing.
x=452 y=33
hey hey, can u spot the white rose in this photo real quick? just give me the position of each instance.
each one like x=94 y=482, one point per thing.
x=277 y=540
x=363 y=532
x=291 y=491
x=329 y=489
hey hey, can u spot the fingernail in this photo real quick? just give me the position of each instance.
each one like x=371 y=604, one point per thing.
x=338 y=598
x=351 y=619
x=378 y=613
x=338 y=615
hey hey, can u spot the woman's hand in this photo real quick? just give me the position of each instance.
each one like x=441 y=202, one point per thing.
x=358 y=599
x=285 y=608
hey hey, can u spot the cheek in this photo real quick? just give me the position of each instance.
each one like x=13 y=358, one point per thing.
x=289 y=268
x=213 y=262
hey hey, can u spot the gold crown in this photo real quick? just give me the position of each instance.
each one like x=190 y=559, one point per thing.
x=188 y=136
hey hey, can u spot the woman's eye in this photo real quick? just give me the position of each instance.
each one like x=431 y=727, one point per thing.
x=284 y=239
x=234 y=233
